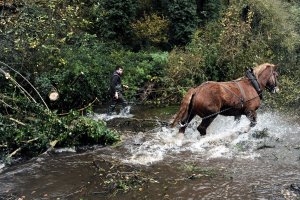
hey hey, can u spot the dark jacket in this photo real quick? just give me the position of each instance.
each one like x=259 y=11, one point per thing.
x=116 y=84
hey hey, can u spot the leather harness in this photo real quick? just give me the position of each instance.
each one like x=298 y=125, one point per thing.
x=250 y=75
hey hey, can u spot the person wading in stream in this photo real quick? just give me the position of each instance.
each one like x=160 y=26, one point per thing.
x=116 y=90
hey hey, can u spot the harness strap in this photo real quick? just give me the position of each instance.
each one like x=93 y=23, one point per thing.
x=242 y=92
x=241 y=98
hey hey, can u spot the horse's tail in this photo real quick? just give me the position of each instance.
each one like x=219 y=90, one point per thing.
x=185 y=107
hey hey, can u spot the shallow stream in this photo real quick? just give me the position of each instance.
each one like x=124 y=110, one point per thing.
x=153 y=162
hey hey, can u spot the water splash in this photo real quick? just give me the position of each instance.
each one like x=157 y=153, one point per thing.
x=124 y=113
x=224 y=139
x=147 y=149
x=2 y=165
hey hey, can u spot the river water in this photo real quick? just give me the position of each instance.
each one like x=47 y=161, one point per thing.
x=153 y=162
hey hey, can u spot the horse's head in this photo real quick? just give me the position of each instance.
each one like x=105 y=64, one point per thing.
x=267 y=76
x=272 y=83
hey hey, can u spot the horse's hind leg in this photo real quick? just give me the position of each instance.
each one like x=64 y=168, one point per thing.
x=185 y=123
x=204 y=124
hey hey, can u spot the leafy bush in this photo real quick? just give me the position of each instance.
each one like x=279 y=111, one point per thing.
x=30 y=130
x=110 y=19
x=183 y=21
x=151 y=30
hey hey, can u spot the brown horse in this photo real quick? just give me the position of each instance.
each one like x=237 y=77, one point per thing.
x=233 y=98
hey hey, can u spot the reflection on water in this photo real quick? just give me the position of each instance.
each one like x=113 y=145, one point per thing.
x=244 y=165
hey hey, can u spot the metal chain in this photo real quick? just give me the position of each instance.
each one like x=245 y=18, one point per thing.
x=211 y=115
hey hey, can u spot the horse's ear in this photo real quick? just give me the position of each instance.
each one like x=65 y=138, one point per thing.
x=276 y=66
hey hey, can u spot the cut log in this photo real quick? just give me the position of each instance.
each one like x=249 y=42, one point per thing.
x=53 y=95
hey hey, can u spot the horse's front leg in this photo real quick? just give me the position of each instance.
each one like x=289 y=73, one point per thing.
x=204 y=124
x=252 y=116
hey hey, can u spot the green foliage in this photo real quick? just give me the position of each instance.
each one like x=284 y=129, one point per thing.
x=206 y=43
x=142 y=69
x=288 y=98
x=32 y=129
x=184 y=63
x=209 y=10
x=239 y=46
x=33 y=37
x=151 y=30
x=111 y=19
x=277 y=24
x=75 y=90
x=183 y=21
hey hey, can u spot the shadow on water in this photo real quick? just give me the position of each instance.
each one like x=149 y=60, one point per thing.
x=152 y=162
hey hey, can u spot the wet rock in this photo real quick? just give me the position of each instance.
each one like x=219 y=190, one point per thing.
x=265 y=146
x=261 y=134
x=295 y=187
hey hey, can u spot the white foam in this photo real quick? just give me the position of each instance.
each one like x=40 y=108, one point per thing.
x=224 y=139
x=68 y=150
x=1 y=167
x=124 y=113
x=152 y=149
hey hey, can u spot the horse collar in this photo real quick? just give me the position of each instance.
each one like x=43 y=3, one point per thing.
x=250 y=75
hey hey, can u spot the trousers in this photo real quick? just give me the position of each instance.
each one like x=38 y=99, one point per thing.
x=121 y=100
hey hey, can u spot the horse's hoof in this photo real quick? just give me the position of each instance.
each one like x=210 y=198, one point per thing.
x=182 y=130
x=202 y=131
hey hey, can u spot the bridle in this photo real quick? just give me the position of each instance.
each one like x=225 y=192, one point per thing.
x=272 y=87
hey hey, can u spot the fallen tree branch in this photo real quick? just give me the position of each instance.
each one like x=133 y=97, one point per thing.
x=29 y=141
x=14 y=152
x=7 y=76
x=81 y=109
x=20 y=148
x=17 y=121
x=6 y=104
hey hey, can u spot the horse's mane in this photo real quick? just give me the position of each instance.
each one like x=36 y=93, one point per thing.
x=260 y=68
